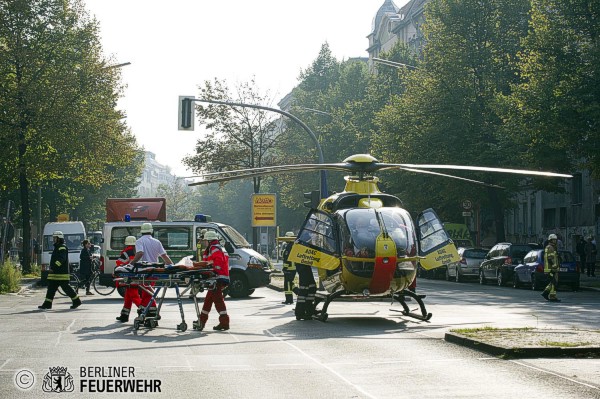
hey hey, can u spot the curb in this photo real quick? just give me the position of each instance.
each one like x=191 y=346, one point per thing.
x=520 y=353
x=28 y=284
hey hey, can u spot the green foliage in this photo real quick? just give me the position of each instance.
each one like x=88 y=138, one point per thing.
x=59 y=128
x=238 y=137
x=10 y=278
x=183 y=202
x=554 y=111
x=448 y=112
x=36 y=271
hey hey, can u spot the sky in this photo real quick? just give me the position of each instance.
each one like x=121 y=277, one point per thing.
x=173 y=46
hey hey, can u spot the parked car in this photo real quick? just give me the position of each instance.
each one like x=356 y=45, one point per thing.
x=468 y=265
x=500 y=262
x=531 y=271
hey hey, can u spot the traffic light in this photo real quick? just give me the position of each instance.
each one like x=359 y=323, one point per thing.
x=314 y=197
x=186 y=113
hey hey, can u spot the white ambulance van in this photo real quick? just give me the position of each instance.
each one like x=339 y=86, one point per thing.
x=247 y=268
x=74 y=233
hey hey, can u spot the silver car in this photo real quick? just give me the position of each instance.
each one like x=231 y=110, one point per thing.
x=468 y=266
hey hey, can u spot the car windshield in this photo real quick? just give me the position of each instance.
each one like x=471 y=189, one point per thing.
x=475 y=253
x=237 y=239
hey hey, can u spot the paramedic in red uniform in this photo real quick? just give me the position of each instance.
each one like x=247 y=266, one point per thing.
x=149 y=249
x=132 y=294
x=218 y=259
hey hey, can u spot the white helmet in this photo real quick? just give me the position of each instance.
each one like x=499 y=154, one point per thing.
x=211 y=235
x=146 y=228
x=58 y=234
x=552 y=237
x=130 y=240
x=290 y=234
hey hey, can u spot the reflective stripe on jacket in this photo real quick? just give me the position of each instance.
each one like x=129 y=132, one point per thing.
x=59 y=263
x=220 y=260
x=551 y=261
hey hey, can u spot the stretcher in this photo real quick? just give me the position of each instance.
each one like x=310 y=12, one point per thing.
x=155 y=279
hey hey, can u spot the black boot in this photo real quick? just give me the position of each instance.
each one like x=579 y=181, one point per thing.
x=123 y=318
x=45 y=305
x=221 y=327
x=545 y=295
x=76 y=303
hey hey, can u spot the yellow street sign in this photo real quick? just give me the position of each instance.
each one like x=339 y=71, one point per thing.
x=264 y=208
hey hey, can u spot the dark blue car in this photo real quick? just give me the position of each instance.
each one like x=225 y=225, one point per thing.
x=531 y=271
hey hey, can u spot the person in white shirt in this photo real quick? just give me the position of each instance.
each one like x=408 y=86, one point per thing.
x=149 y=249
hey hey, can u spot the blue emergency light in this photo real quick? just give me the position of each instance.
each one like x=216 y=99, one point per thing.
x=127 y=217
x=202 y=218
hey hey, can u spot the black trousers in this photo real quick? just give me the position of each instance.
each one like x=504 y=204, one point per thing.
x=307 y=288
x=53 y=286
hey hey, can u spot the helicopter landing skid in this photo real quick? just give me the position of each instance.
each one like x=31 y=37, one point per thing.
x=400 y=297
x=321 y=314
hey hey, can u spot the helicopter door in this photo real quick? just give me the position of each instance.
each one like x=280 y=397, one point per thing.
x=435 y=246
x=316 y=244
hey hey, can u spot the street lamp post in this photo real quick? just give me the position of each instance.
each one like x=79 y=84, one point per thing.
x=324 y=191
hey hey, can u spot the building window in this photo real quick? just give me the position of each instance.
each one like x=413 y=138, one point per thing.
x=562 y=220
x=549 y=218
x=576 y=189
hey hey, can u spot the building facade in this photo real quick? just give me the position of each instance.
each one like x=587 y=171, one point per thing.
x=153 y=175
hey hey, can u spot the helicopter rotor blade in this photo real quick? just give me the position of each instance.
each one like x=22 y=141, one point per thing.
x=451 y=176
x=484 y=169
x=216 y=177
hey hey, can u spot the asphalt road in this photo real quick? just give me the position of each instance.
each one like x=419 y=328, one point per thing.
x=364 y=350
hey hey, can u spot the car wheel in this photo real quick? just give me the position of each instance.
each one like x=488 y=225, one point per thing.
x=481 y=278
x=575 y=286
x=500 y=278
x=457 y=277
x=516 y=282
x=238 y=286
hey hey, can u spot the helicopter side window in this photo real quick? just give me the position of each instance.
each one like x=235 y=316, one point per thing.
x=318 y=231
x=431 y=231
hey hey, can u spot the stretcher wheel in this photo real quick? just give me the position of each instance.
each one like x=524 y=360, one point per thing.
x=136 y=324
x=182 y=327
x=152 y=323
x=322 y=317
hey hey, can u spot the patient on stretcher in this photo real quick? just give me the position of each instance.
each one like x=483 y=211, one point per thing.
x=184 y=265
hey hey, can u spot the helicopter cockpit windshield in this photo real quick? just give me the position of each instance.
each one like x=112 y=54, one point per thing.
x=359 y=233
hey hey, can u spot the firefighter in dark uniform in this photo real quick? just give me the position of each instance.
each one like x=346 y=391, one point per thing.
x=59 y=273
x=551 y=266
x=289 y=272
x=307 y=286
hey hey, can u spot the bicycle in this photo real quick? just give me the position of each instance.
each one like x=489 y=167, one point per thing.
x=76 y=283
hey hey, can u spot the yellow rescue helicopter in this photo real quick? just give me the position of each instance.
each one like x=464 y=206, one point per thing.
x=362 y=241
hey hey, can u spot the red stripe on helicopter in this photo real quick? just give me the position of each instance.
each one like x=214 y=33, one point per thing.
x=383 y=273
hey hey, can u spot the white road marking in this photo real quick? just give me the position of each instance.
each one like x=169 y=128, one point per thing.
x=332 y=371
x=4 y=364
x=68 y=329
x=554 y=374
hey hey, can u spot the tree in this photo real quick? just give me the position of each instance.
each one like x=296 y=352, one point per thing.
x=238 y=137
x=183 y=202
x=554 y=112
x=468 y=60
x=57 y=97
